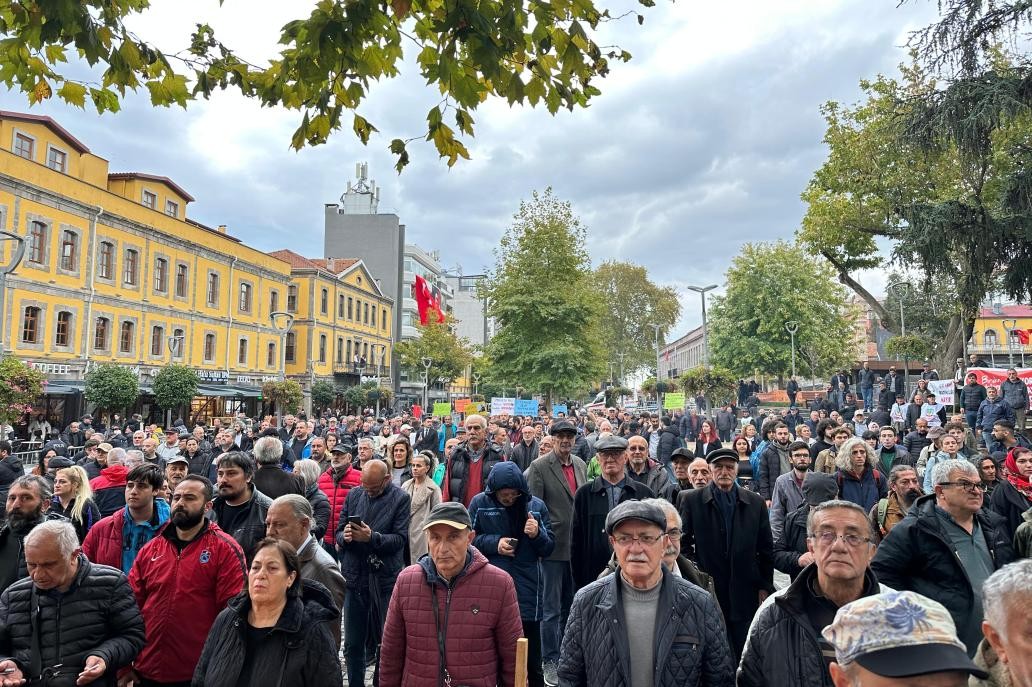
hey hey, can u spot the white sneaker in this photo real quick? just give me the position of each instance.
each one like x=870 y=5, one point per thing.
x=551 y=671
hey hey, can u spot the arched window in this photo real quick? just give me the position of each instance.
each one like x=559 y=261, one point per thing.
x=990 y=337
x=30 y=325
x=125 y=337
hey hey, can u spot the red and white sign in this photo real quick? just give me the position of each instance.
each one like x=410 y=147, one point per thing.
x=994 y=376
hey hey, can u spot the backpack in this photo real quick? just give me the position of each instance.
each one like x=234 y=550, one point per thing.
x=883 y=509
x=754 y=458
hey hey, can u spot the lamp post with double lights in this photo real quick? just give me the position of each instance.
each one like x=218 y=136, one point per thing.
x=427 y=362
x=1008 y=327
x=16 y=257
x=702 y=290
x=281 y=321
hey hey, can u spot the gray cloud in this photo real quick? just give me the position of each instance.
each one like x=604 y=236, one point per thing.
x=675 y=166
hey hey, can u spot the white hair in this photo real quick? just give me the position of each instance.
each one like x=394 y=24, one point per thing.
x=62 y=532
x=268 y=450
x=116 y=456
x=1009 y=588
x=667 y=508
x=299 y=506
x=942 y=471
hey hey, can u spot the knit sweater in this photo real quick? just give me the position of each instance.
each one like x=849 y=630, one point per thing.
x=640 y=606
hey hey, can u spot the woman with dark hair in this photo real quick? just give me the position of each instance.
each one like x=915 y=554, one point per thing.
x=743 y=450
x=275 y=631
x=707 y=441
x=990 y=474
x=1013 y=496
x=400 y=460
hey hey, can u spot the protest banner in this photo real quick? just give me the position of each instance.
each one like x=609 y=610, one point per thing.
x=674 y=401
x=460 y=404
x=502 y=406
x=559 y=408
x=442 y=408
x=525 y=406
x=994 y=376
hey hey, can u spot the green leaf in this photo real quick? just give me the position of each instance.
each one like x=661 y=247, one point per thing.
x=73 y=93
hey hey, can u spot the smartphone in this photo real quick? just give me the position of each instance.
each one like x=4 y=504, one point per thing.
x=354 y=519
x=513 y=542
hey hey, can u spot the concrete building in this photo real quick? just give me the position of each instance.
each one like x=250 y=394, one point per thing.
x=681 y=354
x=469 y=310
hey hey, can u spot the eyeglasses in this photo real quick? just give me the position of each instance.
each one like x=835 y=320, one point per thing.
x=971 y=487
x=644 y=539
x=674 y=532
x=829 y=538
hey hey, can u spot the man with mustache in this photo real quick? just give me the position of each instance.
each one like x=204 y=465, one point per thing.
x=904 y=489
x=182 y=579
x=27 y=503
x=643 y=624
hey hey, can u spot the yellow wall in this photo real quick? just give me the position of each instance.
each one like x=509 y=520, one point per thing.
x=311 y=323
x=994 y=324
x=80 y=202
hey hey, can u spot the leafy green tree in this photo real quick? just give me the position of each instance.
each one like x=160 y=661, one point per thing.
x=323 y=394
x=927 y=308
x=112 y=388
x=448 y=354
x=940 y=175
x=285 y=395
x=355 y=398
x=544 y=302
x=175 y=386
x=533 y=53
x=768 y=285
x=631 y=304
x=719 y=384
x=20 y=387
x=911 y=346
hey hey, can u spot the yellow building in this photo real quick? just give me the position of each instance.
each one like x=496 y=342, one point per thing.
x=993 y=340
x=114 y=271
x=342 y=321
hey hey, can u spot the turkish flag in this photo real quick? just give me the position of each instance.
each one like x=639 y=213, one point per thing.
x=1023 y=335
x=426 y=302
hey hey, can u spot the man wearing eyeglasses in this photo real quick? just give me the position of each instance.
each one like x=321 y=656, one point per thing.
x=789 y=623
x=946 y=548
x=643 y=625
x=727 y=534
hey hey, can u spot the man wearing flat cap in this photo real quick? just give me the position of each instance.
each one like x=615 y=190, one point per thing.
x=727 y=534
x=453 y=617
x=590 y=549
x=643 y=625
x=898 y=639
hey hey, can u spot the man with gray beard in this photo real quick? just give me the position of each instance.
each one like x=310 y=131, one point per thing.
x=27 y=503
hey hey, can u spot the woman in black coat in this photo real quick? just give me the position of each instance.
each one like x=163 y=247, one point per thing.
x=708 y=440
x=275 y=632
x=309 y=471
x=1013 y=495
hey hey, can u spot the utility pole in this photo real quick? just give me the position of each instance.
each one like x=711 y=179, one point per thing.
x=902 y=288
x=792 y=327
x=281 y=321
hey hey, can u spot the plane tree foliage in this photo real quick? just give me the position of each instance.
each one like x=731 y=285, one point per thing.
x=539 y=53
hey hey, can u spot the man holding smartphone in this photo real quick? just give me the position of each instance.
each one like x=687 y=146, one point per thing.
x=371 y=535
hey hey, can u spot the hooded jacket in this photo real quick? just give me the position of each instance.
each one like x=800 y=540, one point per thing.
x=480 y=619
x=492 y=522
x=116 y=539
x=791 y=544
x=336 y=486
x=297 y=652
x=669 y=440
x=109 y=489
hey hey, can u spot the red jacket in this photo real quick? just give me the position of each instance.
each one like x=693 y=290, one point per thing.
x=483 y=626
x=113 y=476
x=336 y=492
x=179 y=595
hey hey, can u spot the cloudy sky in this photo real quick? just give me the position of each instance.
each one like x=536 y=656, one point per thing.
x=701 y=143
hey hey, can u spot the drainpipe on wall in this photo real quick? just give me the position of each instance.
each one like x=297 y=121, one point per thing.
x=229 y=327
x=91 y=266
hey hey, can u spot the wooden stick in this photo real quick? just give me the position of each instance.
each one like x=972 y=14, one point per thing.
x=521 y=662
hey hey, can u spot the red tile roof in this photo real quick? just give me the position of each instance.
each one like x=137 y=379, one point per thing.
x=153 y=177
x=1007 y=311
x=79 y=146
x=335 y=265
x=332 y=266
x=294 y=260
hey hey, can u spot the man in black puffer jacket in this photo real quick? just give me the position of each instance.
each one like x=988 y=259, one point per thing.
x=86 y=615
x=471 y=461
x=668 y=442
x=10 y=470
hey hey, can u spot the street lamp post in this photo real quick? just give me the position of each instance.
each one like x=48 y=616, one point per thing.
x=281 y=322
x=1007 y=337
x=902 y=288
x=792 y=327
x=16 y=258
x=701 y=290
x=174 y=343
x=427 y=362
x=476 y=382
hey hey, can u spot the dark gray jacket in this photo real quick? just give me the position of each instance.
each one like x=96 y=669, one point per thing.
x=388 y=516
x=691 y=645
x=546 y=481
x=1015 y=394
x=98 y=616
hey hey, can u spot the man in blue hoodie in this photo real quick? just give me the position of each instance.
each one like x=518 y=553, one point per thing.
x=514 y=533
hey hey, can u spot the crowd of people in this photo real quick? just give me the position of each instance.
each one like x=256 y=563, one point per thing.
x=634 y=549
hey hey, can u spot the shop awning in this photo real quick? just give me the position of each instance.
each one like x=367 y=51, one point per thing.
x=59 y=390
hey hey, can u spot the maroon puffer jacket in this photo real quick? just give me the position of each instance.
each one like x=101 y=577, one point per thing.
x=483 y=626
